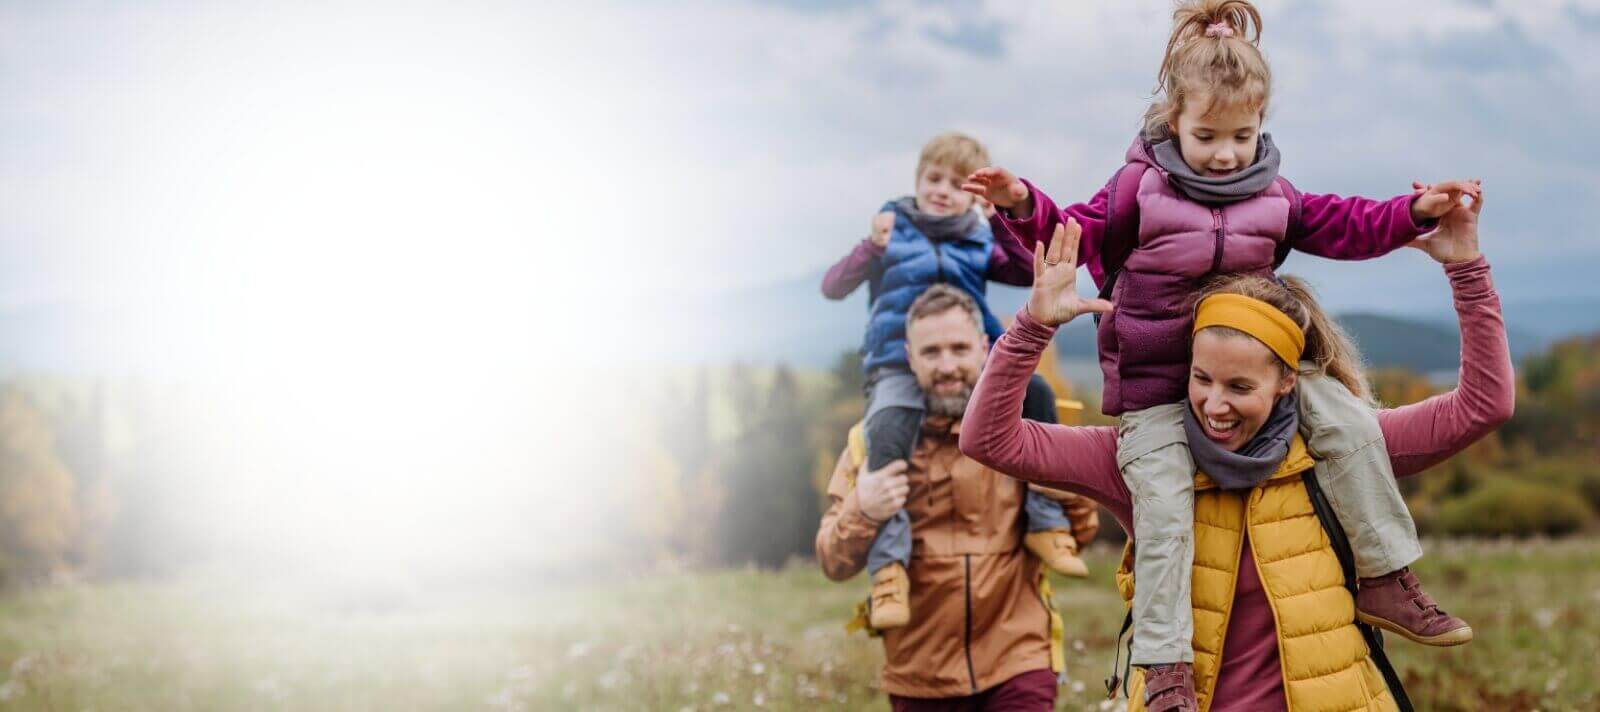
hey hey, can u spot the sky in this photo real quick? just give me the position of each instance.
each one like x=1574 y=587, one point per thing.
x=789 y=124
x=157 y=151
x=386 y=234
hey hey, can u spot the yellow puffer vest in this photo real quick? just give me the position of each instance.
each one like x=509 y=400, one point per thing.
x=1326 y=663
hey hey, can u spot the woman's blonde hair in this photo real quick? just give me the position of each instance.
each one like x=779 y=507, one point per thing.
x=1214 y=52
x=1328 y=347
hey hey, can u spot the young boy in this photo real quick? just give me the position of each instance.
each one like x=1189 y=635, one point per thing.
x=934 y=236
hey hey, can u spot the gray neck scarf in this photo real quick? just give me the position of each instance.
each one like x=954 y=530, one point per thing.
x=939 y=228
x=1230 y=188
x=1254 y=462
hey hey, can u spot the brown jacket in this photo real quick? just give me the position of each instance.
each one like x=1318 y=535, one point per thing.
x=977 y=618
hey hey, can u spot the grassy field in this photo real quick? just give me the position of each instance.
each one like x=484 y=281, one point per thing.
x=730 y=640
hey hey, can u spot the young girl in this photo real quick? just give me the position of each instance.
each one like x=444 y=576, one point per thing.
x=1199 y=197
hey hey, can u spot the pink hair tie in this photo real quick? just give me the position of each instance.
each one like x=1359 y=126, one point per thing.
x=1219 y=29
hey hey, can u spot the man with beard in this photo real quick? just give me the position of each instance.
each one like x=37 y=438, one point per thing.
x=979 y=634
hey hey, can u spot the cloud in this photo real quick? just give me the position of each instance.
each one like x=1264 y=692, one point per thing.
x=729 y=144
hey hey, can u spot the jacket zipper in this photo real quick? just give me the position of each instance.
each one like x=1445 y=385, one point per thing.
x=1220 y=222
x=938 y=261
x=971 y=674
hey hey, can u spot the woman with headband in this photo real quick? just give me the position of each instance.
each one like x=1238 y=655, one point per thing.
x=1274 y=620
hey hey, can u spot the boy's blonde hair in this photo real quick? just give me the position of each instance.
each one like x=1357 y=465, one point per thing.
x=1327 y=344
x=1214 y=52
x=956 y=150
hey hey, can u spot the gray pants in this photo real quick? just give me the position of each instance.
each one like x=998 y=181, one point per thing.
x=894 y=416
x=1352 y=467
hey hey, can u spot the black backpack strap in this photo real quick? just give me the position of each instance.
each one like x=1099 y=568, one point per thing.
x=1114 y=682
x=1347 y=562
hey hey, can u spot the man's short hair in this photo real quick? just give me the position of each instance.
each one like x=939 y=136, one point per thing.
x=941 y=298
x=960 y=152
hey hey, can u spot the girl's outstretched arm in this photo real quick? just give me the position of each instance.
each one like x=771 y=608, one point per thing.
x=1354 y=228
x=1028 y=216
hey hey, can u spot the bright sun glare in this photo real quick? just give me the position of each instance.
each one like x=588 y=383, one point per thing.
x=366 y=259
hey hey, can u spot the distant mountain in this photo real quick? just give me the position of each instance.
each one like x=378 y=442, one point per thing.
x=791 y=322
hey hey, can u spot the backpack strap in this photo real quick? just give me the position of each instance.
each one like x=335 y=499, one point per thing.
x=1293 y=232
x=1347 y=562
x=857 y=447
x=1122 y=225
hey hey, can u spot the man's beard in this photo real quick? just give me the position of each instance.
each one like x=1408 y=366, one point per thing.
x=951 y=406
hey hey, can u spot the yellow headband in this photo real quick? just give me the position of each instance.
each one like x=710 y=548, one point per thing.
x=1259 y=319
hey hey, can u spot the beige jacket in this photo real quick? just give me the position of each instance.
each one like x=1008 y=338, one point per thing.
x=977 y=616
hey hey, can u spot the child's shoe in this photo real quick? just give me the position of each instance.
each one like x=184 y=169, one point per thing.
x=1170 y=688
x=1058 y=550
x=1396 y=602
x=890 y=605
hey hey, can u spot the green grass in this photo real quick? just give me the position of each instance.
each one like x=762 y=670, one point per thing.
x=730 y=640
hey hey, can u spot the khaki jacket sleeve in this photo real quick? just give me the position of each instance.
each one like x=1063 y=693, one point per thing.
x=1082 y=511
x=846 y=534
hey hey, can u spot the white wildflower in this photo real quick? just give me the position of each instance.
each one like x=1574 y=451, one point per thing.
x=721 y=698
x=757 y=668
x=1545 y=617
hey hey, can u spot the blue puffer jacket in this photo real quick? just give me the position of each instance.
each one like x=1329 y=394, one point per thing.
x=910 y=264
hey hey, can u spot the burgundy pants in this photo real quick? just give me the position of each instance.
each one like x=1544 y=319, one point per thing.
x=1032 y=691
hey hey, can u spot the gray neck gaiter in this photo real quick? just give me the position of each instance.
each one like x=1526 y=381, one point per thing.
x=1230 y=188
x=939 y=228
x=1254 y=462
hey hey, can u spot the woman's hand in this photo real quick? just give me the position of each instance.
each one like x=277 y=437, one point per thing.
x=1055 y=299
x=1435 y=199
x=1002 y=188
x=1456 y=240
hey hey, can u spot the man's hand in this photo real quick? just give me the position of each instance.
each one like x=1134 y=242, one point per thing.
x=1456 y=240
x=883 y=492
x=1434 y=200
x=1002 y=188
x=1055 y=299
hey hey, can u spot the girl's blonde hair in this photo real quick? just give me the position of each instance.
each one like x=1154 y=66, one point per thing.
x=1328 y=347
x=1214 y=52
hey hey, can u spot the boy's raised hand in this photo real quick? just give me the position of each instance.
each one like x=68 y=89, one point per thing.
x=882 y=225
x=1436 y=199
x=1000 y=187
x=1055 y=299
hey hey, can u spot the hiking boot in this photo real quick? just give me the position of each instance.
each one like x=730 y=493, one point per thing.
x=1396 y=602
x=1170 y=688
x=890 y=604
x=1058 y=550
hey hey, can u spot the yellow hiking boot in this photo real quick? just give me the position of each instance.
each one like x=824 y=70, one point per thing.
x=891 y=598
x=1058 y=550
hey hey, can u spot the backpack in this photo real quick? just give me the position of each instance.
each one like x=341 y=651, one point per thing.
x=1122 y=224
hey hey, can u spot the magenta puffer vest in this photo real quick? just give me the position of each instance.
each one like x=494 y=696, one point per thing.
x=1144 y=341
